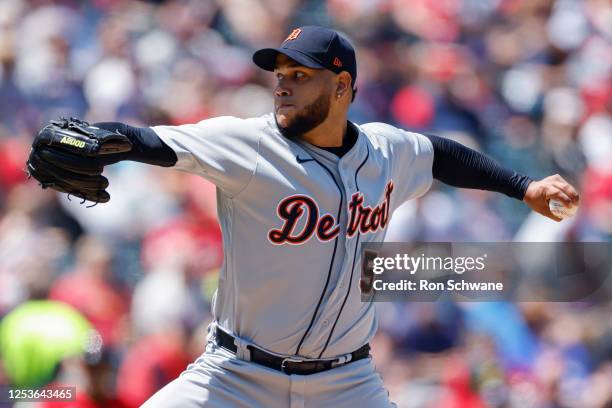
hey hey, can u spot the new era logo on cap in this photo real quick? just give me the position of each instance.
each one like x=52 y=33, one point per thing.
x=337 y=62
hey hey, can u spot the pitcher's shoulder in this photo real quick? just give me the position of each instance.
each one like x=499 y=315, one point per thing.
x=236 y=122
x=384 y=133
x=241 y=128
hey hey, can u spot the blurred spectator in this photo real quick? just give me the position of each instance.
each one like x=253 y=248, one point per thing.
x=36 y=337
x=89 y=288
x=149 y=365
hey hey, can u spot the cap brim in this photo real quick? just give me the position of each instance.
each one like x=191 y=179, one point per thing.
x=266 y=58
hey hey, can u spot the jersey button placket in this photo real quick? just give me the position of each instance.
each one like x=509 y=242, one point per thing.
x=351 y=184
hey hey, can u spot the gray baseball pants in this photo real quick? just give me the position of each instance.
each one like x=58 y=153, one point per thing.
x=218 y=379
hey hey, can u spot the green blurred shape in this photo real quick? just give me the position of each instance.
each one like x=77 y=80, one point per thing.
x=36 y=336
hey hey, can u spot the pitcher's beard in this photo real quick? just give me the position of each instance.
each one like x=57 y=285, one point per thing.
x=309 y=118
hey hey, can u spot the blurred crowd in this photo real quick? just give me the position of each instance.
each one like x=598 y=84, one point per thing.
x=527 y=81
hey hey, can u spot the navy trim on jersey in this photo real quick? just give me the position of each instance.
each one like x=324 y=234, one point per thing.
x=350 y=284
x=331 y=263
x=361 y=165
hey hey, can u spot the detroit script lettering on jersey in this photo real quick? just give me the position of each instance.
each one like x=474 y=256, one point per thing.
x=361 y=218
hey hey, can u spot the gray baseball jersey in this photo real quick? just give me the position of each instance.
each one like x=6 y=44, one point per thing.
x=293 y=216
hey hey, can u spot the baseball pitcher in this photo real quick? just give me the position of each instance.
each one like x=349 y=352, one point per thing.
x=298 y=191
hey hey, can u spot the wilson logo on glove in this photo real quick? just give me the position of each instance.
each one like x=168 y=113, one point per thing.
x=72 y=142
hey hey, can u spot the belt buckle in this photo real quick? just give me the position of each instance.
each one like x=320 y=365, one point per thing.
x=289 y=360
x=342 y=360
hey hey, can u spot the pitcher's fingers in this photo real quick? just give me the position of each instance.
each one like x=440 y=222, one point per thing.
x=569 y=190
x=558 y=194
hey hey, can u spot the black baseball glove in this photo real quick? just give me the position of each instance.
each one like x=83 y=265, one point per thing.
x=68 y=155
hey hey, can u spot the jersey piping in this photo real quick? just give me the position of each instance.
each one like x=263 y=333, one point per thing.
x=331 y=263
x=348 y=291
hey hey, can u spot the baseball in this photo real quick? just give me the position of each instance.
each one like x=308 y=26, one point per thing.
x=560 y=210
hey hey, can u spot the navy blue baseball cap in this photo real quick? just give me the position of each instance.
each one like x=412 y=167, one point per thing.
x=313 y=47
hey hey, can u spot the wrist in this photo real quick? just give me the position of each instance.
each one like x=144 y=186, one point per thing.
x=526 y=185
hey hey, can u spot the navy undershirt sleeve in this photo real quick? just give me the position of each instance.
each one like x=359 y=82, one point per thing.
x=459 y=166
x=147 y=147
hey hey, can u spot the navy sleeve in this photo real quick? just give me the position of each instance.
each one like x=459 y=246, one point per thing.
x=459 y=166
x=147 y=147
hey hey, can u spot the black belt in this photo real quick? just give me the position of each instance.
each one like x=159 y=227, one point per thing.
x=290 y=365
